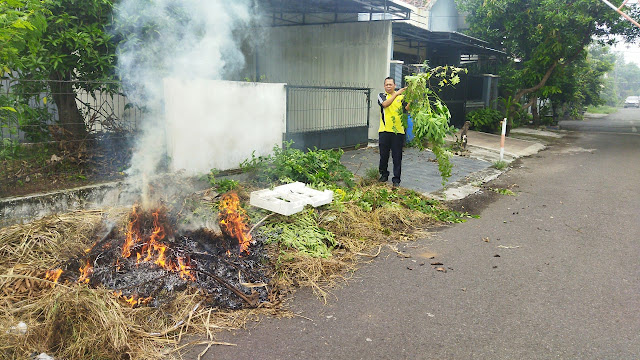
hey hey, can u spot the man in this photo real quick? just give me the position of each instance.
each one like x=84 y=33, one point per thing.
x=391 y=131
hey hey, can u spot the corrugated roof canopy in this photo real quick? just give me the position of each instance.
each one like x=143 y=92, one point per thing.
x=414 y=36
x=309 y=12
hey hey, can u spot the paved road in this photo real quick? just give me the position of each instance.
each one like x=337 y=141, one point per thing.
x=557 y=279
x=623 y=121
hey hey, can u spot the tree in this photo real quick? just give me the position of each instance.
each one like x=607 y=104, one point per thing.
x=627 y=78
x=20 y=21
x=75 y=44
x=540 y=36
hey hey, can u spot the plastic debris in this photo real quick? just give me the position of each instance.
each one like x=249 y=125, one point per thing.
x=290 y=198
x=43 y=356
x=19 y=329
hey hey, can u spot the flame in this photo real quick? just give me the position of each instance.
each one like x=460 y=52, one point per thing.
x=133 y=300
x=233 y=221
x=85 y=272
x=53 y=275
x=152 y=249
x=132 y=234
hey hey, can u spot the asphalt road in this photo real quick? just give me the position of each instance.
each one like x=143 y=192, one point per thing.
x=624 y=121
x=556 y=278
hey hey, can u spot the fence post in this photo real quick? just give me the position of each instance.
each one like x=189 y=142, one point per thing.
x=368 y=107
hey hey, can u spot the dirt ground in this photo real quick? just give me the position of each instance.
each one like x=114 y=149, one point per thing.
x=51 y=168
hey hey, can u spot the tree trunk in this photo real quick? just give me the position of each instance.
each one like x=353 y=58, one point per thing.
x=69 y=115
x=534 y=112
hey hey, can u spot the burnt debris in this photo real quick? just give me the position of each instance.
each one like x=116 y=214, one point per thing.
x=146 y=263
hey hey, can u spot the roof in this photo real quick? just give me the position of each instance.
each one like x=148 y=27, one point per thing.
x=416 y=36
x=307 y=12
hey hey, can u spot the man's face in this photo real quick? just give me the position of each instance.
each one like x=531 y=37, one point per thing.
x=389 y=86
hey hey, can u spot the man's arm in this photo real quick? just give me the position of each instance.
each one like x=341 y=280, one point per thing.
x=391 y=97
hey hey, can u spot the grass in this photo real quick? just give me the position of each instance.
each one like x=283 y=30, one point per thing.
x=602 y=109
x=500 y=165
x=504 y=191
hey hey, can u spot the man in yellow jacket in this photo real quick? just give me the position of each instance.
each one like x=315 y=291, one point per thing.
x=391 y=131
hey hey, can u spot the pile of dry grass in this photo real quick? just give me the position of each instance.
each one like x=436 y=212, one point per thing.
x=72 y=321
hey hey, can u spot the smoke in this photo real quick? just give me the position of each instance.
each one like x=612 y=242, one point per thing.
x=185 y=39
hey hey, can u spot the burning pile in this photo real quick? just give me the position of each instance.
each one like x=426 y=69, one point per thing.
x=147 y=263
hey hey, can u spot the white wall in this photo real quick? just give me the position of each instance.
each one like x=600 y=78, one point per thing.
x=350 y=54
x=215 y=124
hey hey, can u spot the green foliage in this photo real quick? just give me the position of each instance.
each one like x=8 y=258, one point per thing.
x=485 y=120
x=60 y=41
x=221 y=185
x=285 y=165
x=500 y=165
x=21 y=21
x=504 y=192
x=602 y=109
x=372 y=173
x=24 y=113
x=625 y=81
x=10 y=149
x=302 y=233
x=371 y=198
x=544 y=37
x=429 y=113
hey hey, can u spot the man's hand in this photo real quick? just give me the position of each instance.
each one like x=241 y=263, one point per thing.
x=400 y=91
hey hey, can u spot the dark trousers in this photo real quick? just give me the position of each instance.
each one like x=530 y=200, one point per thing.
x=391 y=142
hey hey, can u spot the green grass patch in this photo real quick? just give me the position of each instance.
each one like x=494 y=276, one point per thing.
x=500 y=165
x=602 y=109
x=504 y=192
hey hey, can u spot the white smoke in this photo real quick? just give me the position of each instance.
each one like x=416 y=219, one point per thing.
x=187 y=39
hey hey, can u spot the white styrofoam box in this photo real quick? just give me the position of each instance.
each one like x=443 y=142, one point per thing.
x=266 y=199
x=290 y=198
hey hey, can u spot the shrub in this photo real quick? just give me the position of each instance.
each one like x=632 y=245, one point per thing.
x=485 y=120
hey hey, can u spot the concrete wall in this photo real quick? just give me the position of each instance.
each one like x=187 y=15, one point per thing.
x=351 y=54
x=215 y=124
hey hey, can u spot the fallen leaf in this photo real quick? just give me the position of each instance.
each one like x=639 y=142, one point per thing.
x=441 y=269
x=496 y=255
x=427 y=255
x=436 y=263
x=486 y=239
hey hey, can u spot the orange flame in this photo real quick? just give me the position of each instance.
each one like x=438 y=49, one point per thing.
x=53 y=275
x=133 y=300
x=85 y=272
x=133 y=233
x=153 y=250
x=233 y=220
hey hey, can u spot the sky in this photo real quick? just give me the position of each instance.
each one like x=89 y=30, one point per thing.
x=631 y=51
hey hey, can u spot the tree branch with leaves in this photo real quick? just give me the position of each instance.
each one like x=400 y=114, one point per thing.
x=429 y=113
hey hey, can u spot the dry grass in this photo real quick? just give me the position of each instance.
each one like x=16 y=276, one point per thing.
x=78 y=322
x=357 y=231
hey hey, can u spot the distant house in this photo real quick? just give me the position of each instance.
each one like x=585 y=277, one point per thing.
x=331 y=44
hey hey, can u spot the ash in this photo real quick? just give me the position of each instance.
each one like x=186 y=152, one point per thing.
x=212 y=264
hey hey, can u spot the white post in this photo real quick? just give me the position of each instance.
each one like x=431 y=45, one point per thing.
x=504 y=133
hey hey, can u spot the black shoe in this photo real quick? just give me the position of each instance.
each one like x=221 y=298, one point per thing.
x=396 y=184
x=383 y=178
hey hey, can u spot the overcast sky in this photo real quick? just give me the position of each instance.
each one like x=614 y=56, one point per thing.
x=631 y=51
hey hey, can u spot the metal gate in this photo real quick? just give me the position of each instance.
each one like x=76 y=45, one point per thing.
x=327 y=117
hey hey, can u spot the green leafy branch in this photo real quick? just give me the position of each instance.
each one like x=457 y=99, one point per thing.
x=429 y=113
